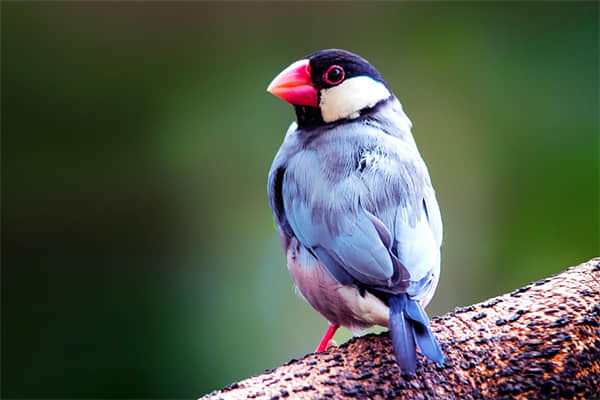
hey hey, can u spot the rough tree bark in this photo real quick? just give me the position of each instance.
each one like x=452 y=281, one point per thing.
x=541 y=341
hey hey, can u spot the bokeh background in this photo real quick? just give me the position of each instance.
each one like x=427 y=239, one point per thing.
x=139 y=257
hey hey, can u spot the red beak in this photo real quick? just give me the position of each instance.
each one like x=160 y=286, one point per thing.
x=294 y=85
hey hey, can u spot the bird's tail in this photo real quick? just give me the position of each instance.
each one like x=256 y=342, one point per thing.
x=409 y=326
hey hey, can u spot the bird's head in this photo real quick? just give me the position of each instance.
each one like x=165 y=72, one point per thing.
x=330 y=85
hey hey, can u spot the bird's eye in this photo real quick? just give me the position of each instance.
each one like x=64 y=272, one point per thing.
x=334 y=75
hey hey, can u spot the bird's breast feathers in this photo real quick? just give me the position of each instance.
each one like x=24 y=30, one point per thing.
x=345 y=167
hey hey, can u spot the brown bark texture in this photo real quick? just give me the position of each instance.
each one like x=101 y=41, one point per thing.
x=541 y=341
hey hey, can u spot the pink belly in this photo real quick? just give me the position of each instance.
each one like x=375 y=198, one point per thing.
x=340 y=304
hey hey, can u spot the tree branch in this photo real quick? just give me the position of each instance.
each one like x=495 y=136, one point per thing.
x=541 y=341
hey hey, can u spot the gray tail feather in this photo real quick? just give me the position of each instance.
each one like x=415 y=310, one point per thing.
x=409 y=327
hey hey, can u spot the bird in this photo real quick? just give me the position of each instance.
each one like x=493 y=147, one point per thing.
x=353 y=204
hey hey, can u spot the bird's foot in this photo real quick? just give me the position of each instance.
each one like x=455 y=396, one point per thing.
x=327 y=340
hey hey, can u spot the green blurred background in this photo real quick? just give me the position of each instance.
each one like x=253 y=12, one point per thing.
x=139 y=257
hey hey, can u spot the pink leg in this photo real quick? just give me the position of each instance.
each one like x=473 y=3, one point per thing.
x=327 y=337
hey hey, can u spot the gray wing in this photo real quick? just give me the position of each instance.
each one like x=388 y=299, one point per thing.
x=356 y=222
x=434 y=216
x=327 y=217
x=289 y=147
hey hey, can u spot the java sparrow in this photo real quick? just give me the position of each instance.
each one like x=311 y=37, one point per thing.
x=354 y=205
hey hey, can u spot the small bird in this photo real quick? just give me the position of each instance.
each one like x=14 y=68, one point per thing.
x=354 y=205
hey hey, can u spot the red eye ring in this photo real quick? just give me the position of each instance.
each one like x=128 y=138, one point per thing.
x=338 y=75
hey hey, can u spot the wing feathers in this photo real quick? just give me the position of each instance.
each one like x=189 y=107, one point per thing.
x=356 y=221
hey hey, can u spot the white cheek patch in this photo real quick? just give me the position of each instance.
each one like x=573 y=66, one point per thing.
x=349 y=97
